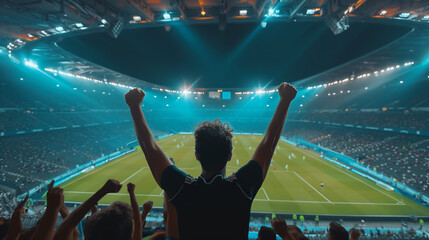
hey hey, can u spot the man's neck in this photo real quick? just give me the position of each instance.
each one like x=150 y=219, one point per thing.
x=210 y=174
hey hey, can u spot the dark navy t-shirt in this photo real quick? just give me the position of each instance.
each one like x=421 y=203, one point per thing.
x=218 y=208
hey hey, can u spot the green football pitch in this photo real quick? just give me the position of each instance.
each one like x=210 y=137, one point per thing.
x=293 y=190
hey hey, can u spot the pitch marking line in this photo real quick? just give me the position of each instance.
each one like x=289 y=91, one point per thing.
x=132 y=175
x=323 y=161
x=312 y=187
x=266 y=195
x=98 y=169
x=322 y=202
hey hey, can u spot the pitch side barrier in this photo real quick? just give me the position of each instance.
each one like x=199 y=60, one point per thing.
x=364 y=171
x=78 y=171
x=89 y=166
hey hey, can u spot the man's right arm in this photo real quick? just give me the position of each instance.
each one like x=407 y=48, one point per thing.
x=265 y=150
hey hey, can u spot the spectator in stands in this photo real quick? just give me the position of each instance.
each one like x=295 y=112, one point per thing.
x=266 y=233
x=226 y=201
x=337 y=232
x=286 y=231
x=354 y=234
x=95 y=227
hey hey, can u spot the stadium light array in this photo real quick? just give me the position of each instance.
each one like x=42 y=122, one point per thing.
x=86 y=78
x=59 y=29
x=365 y=75
x=404 y=15
x=30 y=63
x=243 y=12
x=166 y=16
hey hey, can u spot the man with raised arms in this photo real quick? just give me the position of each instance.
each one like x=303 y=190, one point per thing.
x=212 y=206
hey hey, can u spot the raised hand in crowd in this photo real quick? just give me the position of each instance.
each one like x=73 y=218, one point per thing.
x=64 y=212
x=66 y=228
x=147 y=206
x=280 y=227
x=137 y=231
x=15 y=225
x=45 y=228
x=354 y=234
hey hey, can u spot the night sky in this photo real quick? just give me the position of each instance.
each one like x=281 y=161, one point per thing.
x=243 y=56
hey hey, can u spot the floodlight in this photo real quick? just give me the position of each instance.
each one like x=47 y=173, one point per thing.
x=401 y=82
x=167 y=16
x=243 y=12
x=366 y=88
x=310 y=11
x=264 y=24
x=203 y=13
x=30 y=63
x=270 y=12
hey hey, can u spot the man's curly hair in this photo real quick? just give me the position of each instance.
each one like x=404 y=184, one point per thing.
x=213 y=144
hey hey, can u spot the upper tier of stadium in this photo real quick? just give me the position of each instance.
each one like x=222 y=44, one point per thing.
x=31 y=32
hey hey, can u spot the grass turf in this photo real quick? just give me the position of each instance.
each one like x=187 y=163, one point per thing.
x=296 y=190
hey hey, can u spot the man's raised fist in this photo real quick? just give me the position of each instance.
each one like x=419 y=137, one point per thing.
x=112 y=186
x=134 y=97
x=287 y=91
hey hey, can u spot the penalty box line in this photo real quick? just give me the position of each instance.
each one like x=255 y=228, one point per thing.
x=312 y=187
x=342 y=171
x=100 y=168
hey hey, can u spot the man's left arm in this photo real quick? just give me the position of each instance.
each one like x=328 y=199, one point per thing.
x=155 y=157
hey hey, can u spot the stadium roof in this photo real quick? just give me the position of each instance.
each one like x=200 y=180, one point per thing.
x=31 y=28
